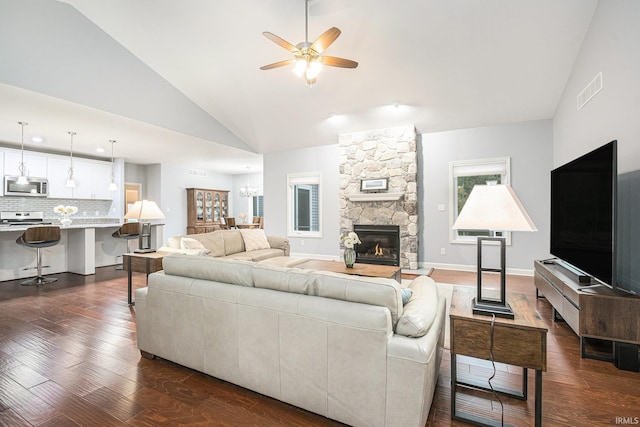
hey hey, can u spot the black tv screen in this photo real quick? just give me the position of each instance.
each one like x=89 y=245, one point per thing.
x=583 y=213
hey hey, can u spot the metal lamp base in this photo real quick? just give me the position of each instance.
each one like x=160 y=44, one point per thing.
x=487 y=309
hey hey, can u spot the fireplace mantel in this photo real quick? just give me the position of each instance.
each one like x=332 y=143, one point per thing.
x=373 y=197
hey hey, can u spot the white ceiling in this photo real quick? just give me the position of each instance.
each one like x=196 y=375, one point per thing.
x=447 y=64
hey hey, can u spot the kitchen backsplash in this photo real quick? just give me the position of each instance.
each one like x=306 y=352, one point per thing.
x=89 y=209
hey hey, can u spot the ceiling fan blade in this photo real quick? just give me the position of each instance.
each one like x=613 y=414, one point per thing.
x=280 y=42
x=325 y=39
x=339 y=62
x=277 y=64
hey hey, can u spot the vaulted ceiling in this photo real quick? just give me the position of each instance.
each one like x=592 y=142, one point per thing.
x=180 y=81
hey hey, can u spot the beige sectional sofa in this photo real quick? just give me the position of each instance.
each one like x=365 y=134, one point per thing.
x=342 y=346
x=250 y=245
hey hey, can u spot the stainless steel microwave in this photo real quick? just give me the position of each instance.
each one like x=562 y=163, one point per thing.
x=35 y=187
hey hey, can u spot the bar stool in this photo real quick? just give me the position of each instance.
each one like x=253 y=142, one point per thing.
x=127 y=231
x=39 y=237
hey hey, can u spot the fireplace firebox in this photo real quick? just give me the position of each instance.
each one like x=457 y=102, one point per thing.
x=380 y=244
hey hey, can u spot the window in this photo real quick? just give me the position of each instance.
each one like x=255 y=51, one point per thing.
x=257 y=206
x=304 y=204
x=463 y=176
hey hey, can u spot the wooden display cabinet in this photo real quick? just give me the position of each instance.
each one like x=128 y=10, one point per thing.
x=206 y=209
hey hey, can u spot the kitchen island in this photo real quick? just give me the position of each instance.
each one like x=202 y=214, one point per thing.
x=82 y=248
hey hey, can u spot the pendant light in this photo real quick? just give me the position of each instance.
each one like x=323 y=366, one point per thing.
x=22 y=179
x=112 y=186
x=70 y=182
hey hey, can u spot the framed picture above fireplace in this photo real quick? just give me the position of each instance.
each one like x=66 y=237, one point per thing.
x=374 y=184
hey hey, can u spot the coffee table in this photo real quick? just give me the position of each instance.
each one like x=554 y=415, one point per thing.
x=358 y=269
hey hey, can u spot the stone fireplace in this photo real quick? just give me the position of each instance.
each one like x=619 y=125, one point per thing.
x=385 y=153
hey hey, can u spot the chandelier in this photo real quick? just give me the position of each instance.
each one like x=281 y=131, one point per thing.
x=248 y=190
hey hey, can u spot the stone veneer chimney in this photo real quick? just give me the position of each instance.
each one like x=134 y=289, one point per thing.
x=385 y=153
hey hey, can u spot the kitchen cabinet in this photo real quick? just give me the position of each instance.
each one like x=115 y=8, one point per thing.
x=206 y=209
x=92 y=179
x=35 y=164
x=58 y=173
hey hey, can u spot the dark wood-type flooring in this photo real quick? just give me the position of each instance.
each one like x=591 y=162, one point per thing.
x=68 y=357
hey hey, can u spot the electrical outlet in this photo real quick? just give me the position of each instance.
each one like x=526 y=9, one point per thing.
x=443 y=251
x=301 y=242
x=441 y=207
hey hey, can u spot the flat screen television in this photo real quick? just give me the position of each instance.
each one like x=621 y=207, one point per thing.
x=583 y=213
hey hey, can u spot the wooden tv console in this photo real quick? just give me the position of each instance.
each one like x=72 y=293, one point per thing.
x=592 y=311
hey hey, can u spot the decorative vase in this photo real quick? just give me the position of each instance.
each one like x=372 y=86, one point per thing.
x=349 y=257
x=65 y=221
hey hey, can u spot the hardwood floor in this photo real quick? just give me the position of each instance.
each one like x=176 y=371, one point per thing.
x=68 y=357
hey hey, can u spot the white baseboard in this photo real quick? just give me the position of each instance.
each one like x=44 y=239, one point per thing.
x=472 y=268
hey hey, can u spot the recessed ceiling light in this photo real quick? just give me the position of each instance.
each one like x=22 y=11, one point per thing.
x=100 y=150
x=37 y=139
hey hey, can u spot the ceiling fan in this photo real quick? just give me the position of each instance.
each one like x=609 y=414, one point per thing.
x=307 y=57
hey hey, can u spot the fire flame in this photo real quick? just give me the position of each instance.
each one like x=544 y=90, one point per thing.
x=379 y=250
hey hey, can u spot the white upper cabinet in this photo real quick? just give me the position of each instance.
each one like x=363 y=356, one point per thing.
x=92 y=179
x=58 y=173
x=35 y=163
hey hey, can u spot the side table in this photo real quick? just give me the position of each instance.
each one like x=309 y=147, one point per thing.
x=521 y=341
x=142 y=263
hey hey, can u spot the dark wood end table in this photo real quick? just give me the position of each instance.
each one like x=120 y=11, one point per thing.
x=521 y=341
x=142 y=263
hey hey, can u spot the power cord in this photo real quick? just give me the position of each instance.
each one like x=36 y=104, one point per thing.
x=493 y=364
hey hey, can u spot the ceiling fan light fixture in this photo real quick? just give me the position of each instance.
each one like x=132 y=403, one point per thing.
x=313 y=69
x=299 y=67
x=307 y=57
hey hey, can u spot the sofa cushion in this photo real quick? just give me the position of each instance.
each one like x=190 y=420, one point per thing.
x=254 y=239
x=212 y=241
x=421 y=310
x=297 y=280
x=284 y=261
x=233 y=242
x=207 y=268
x=366 y=290
x=258 y=255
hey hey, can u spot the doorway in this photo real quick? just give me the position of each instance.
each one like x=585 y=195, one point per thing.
x=132 y=193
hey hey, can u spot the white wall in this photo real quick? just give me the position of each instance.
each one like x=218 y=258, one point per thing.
x=529 y=144
x=276 y=167
x=241 y=204
x=611 y=46
x=175 y=179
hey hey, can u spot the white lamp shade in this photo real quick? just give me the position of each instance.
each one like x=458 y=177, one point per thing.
x=495 y=208
x=144 y=209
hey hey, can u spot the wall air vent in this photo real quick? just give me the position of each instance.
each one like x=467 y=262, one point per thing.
x=194 y=172
x=590 y=91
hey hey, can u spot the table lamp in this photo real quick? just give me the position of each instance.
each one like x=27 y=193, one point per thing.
x=493 y=207
x=143 y=210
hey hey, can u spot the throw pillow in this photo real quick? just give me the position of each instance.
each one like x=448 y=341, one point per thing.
x=189 y=243
x=406 y=295
x=174 y=242
x=254 y=239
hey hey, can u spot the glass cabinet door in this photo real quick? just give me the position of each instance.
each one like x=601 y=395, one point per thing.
x=199 y=206
x=208 y=208
x=216 y=207
x=225 y=210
